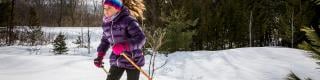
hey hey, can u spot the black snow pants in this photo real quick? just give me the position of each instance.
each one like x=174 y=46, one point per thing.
x=116 y=73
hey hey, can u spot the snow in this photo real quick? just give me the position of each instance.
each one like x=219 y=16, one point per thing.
x=240 y=64
x=256 y=63
x=265 y=63
x=16 y=67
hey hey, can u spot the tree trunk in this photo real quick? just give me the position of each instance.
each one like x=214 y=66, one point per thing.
x=88 y=41
x=292 y=29
x=10 y=36
x=250 y=30
x=60 y=14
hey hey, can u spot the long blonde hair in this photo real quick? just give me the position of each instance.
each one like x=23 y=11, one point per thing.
x=136 y=8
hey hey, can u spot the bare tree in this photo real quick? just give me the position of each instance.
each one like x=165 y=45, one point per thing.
x=73 y=6
x=156 y=40
x=89 y=41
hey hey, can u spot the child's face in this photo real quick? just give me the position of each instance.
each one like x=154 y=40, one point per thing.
x=109 y=10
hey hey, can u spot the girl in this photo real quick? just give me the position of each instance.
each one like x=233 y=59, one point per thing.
x=121 y=32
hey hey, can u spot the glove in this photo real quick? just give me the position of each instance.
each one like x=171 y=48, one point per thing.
x=118 y=48
x=98 y=61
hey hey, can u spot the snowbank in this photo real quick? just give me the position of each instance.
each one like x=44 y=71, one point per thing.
x=240 y=64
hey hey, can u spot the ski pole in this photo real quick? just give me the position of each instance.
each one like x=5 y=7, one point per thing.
x=105 y=70
x=135 y=65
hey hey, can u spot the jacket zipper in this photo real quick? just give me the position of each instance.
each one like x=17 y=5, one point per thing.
x=132 y=55
x=113 y=41
x=118 y=61
x=112 y=32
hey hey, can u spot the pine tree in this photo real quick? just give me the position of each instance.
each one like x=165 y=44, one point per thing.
x=178 y=35
x=312 y=43
x=292 y=76
x=7 y=20
x=60 y=45
x=223 y=24
x=4 y=19
x=5 y=12
x=35 y=33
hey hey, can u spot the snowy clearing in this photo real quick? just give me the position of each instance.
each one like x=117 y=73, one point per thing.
x=263 y=63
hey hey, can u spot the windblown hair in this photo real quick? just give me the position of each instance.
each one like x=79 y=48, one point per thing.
x=136 y=8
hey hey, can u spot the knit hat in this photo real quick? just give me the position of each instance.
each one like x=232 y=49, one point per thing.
x=114 y=3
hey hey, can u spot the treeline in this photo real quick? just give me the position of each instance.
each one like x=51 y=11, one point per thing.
x=225 y=24
x=52 y=12
x=21 y=20
x=188 y=24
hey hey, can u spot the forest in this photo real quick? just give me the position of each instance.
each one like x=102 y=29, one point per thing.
x=185 y=25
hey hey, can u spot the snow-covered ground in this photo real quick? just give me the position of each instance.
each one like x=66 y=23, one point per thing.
x=260 y=63
x=263 y=63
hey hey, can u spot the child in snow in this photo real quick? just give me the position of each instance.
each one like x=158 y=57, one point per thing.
x=121 y=32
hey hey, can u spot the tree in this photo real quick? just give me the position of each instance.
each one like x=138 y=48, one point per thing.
x=5 y=13
x=155 y=39
x=35 y=33
x=292 y=76
x=312 y=43
x=4 y=19
x=10 y=36
x=59 y=45
x=178 y=35
x=89 y=41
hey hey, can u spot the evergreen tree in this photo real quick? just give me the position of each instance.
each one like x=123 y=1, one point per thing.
x=33 y=17
x=5 y=12
x=224 y=24
x=35 y=33
x=7 y=20
x=178 y=35
x=36 y=36
x=292 y=76
x=60 y=45
x=312 y=43
x=4 y=19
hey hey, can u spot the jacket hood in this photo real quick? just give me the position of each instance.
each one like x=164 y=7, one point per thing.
x=123 y=13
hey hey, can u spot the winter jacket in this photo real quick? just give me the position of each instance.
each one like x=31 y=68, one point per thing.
x=123 y=28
